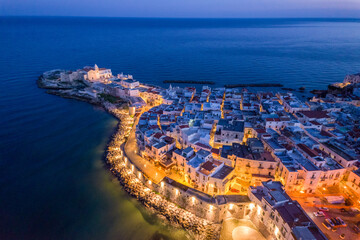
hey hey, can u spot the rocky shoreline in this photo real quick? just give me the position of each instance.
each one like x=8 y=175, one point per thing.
x=178 y=217
x=197 y=227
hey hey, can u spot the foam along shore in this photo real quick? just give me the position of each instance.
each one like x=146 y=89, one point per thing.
x=197 y=227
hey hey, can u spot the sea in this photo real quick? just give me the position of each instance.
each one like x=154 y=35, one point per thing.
x=53 y=181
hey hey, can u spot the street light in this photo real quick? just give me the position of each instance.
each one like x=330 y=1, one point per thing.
x=251 y=206
x=258 y=209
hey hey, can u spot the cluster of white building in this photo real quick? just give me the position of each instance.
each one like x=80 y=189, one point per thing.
x=224 y=140
x=227 y=142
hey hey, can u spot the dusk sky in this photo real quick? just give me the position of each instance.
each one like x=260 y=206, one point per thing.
x=182 y=8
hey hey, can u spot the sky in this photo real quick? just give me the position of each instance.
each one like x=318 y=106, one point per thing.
x=183 y=8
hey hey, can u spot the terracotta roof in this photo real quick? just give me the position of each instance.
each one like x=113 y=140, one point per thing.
x=158 y=135
x=315 y=123
x=307 y=150
x=288 y=147
x=326 y=134
x=209 y=166
x=206 y=90
x=202 y=145
x=315 y=114
x=273 y=119
x=215 y=150
x=260 y=130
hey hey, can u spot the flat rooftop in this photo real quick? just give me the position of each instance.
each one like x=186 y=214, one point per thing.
x=223 y=172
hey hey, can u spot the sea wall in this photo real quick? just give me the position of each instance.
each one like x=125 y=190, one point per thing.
x=144 y=193
x=182 y=206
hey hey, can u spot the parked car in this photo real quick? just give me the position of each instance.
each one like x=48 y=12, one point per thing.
x=356 y=229
x=326 y=225
x=324 y=209
x=343 y=210
x=319 y=214
x=329 y=222
x=342 y=223
x=335 y=221
x=355 y=210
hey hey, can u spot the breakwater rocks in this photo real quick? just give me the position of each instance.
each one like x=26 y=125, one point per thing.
x=199 y=228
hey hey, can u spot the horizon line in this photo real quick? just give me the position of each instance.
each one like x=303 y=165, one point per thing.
x=61 y=16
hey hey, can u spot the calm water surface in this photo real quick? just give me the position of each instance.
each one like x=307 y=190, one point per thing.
x=53 y=184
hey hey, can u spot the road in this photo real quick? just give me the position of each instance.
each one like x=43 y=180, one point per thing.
x=155 y=174
x=350 y=219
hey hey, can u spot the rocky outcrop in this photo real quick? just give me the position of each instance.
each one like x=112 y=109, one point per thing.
x=352 y=78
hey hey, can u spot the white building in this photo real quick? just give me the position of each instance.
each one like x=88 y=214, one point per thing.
x=229 y=132
x=97 y=74
x=354 y=181
x=282 y=217
x=129 y=83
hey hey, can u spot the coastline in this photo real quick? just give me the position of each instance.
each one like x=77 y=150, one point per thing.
x=202 y=215
x=166 y=210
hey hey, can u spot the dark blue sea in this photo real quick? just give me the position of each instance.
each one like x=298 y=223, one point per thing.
x=53 y=183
